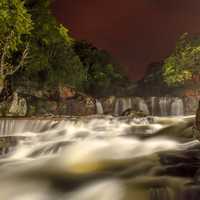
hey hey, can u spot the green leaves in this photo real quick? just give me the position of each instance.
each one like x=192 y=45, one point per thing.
x=184 y=62
x=101 y=71
x=54 y=56
x=15 y=25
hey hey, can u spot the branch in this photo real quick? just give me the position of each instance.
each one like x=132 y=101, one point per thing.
x=3 y=56
x=21 y=63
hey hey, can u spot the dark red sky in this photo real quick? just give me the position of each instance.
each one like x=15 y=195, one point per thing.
x=135 y=32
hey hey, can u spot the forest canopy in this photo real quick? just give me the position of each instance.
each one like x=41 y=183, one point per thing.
x=34 y=46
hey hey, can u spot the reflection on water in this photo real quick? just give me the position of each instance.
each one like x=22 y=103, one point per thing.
x=99 y=158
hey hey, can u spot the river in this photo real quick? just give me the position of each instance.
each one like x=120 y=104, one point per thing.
x=99 y=158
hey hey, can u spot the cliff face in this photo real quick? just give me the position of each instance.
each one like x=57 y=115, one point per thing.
x=32 y=99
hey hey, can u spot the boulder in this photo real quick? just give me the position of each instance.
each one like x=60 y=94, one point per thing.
x=133 y=113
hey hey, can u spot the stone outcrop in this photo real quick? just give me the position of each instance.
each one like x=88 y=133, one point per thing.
x=15 y=106
x=18 y=106
x=37 y=101
x=108 y=104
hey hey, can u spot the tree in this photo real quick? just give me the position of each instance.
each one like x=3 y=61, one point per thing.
x=51 y=49
x=39 y=49
x=101 y=71
x=184 y=62
x=15 y=26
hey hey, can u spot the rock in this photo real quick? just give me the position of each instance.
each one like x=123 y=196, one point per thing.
x=133 y=113
x=18 y=106
x=191 y=104
x=66 y=92
x=108 y=104
x=88 y=106
x=80 y=106
x=3 y=109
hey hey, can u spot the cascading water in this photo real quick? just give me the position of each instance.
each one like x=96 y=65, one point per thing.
x=99 y=107
x=122 y=104
x=143 y=106
x=153 y=106
x=99 y=158
x=161 y=106
x=118 y=106
x=177 y=107
x=164 y=103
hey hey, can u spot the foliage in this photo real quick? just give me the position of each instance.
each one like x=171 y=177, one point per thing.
x=101 y=70
x=15 y=26
x=154 y=73
x=184 y=62
x=29 y=29
x=51 y=49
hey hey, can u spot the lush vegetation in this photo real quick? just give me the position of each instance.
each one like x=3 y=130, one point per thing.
x=34 y=46
x=184 y=63
x=15 y=29
x=100 y=69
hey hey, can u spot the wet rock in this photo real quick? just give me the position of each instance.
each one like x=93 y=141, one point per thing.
x=108 y=104
x=133 y=113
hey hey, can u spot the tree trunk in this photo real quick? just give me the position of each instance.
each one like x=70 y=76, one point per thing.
x=2 y=85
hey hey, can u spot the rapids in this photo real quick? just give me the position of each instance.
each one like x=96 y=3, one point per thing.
x=99 y=158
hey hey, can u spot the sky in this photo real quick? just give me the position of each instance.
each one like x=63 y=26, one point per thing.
x=135 y=32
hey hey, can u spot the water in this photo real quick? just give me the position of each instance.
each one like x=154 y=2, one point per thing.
x=143 y=106
x=122 y=104
x=164 y=103
x=99 y=107
x=99 y=158
x=177 y=107
x=161 y=106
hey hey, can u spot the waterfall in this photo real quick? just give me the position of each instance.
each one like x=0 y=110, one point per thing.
x=162 y=106
x=118 y=106
x=177 y=107
x=156 y=106
x=99 y=107
x=15 y=127
x=153 y=106
x=122 y=104
x=143 y=106
x=126 y=104
x=164 y=103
